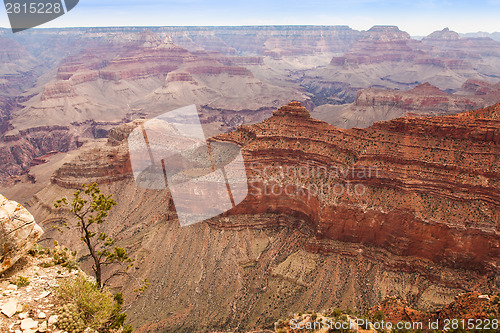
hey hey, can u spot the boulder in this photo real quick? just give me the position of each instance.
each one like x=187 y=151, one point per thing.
x=28 y=323
x=9 y=308
x=18 y=232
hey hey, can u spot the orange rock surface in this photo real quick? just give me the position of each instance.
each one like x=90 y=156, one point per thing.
x=419 y=187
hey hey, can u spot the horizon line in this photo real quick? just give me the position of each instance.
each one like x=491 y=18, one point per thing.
x=235 y=26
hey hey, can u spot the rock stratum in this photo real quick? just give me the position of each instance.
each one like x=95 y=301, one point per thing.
x=81 y=82
x=409 y=178
x=334 y=218
x=375 y=104
x=115 y=79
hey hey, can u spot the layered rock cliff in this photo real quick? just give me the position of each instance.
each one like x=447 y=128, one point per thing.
x=17 y=67
x=385 y=57
x=376 y=104
x=381 y=43
x=238 y=74
x=435 y=174
x=116 y=79
x=334 y=218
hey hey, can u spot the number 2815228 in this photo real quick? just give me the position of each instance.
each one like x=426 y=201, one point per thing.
x=33 y=8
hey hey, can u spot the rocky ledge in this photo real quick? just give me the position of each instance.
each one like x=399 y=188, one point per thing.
x=27 y=300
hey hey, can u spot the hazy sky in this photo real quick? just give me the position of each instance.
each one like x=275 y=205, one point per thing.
x=418 y=17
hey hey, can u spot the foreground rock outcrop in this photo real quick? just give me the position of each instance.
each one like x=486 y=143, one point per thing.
x=46 y=292
x=18 y=232
x=31 y=306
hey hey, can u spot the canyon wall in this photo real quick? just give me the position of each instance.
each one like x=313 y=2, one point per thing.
x=334 y=218
x=375 y=104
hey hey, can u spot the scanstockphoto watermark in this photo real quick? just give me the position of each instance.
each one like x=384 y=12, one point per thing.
x=204 y=178
x=310 y=179
x=354 y=325
x=431 y=325
x=26 y=14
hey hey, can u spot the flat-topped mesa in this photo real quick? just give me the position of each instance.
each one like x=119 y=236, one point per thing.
x=292 y=109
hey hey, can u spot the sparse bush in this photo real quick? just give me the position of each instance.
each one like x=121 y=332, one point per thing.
x=379 y=315
x=279 y=324
x=36 y=250
x=70 y=319
x=59 y=256
x=20 y=281
x=89 y=306
x=336 y=313
x=63 y=257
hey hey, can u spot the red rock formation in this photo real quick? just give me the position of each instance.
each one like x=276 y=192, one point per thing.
x=374 y=104
x=18 y=150
x=102 y=164
x=448 y=44
x=423 y=98
x=488 y=91
x=58 y=90
x=397 y=310
x=416 y=184
x=143 y=60
x=472 y=306
x=467 y=309
x=293 y=109
x=442 y=49
x=145 y=63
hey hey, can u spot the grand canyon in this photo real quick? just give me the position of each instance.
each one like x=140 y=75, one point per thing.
x=372 y=160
